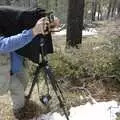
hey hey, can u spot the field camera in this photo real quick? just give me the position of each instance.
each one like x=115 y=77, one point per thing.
x=51 y=16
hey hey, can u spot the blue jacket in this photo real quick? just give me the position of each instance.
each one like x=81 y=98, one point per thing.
x=13 y=43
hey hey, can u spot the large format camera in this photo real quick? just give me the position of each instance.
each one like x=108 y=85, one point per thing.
x=15 y=20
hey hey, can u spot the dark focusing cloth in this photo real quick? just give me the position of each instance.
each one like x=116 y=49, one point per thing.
x=15 y=20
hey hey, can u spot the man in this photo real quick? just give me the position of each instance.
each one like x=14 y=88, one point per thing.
x=18 y=80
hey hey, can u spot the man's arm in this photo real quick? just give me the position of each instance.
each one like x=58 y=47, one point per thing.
x=10 y=44
x=15 y=42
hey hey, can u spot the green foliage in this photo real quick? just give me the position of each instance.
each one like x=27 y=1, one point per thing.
x=94 y=58
x=118 y=116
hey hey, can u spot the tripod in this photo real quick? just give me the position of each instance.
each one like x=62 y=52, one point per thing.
x=49 y=78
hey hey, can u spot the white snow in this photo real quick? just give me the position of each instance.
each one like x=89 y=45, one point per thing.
x=63 y=32
x=89 y=31
x=97 y=111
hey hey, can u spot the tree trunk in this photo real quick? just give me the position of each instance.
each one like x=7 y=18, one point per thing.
x=2 y=2
x=94 y=8
x=25 y=3
x=118 y=8
x=56 y=5
x=100 y=17
x=47 y=4
x=33 y=3
x=75 y=22
x=109 y=9
x=8 y=2
x=99 y=7
x=113 y=8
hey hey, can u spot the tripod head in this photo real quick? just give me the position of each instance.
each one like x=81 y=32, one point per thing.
x=52 y=20
x=51 y=28
x=50 y=16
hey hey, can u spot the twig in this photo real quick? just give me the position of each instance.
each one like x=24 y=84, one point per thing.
x=93 y=101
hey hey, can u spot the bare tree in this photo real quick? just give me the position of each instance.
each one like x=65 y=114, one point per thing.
x=94 y=8
x=109 y=9
x=47 y=4
x=5 y=2
x=56 y=5
x=113 y=8
x=24 y=3
x=75 y=22
x=8 y=2
x=118 y=8
x=99 y=11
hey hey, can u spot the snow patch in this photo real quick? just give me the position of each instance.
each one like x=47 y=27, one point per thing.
x=89 y=31
x=98 y=111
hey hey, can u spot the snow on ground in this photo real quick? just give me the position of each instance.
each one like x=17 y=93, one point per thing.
x=89 y=31
x=98 y=111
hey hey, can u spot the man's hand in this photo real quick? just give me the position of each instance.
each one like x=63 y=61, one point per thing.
x=55 y=24
x=43 y=26
x=40 y=27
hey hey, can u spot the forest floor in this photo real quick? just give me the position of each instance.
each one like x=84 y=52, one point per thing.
x=103 y=90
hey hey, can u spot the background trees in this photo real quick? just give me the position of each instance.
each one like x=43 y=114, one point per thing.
x=118 y=8
x=73 y=12
x=94 y=9
x=20 y=3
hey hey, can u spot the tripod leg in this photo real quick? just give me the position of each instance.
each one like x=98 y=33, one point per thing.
x=54 y=83
x=56 y=89
x=35 y=79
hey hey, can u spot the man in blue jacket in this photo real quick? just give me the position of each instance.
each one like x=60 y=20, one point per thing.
x=18 y=78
